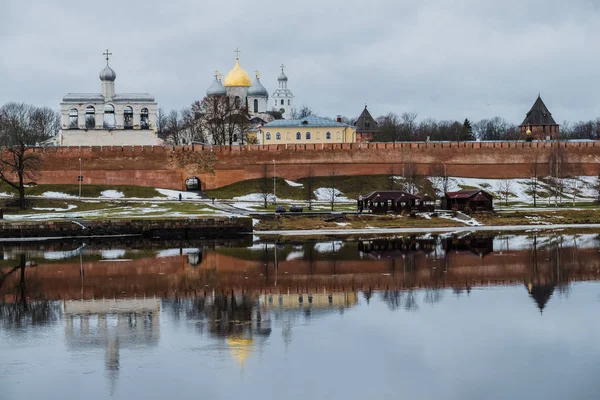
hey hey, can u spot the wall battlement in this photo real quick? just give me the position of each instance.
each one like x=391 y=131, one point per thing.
x=216 y=166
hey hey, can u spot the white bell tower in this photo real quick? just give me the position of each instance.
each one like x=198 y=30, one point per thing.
x=283 y=99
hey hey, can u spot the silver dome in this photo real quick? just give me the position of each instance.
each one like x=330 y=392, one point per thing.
x=257 y=89
x=282 y=77
x=216 y=88
x=108 y=74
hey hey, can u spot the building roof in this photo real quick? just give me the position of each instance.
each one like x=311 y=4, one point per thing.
x=257 y=89
x=310 y=121
x=237 y=76
x=366 y=123
x=479 y=195
x=216 y=88
x=386 y=195
x=539 y=114
x=97 y=98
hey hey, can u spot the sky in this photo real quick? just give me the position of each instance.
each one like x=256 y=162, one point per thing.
x=442 y=59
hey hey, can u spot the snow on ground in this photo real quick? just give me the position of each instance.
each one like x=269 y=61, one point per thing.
x=111 y=194
x=324 y=194
x=176 y=252
x=328 y=247
x=257 y=197
x=112 y=254
x=581 y=185
x=69 y=207
x=293 y=184
x=469 y=222
x=57 y=195
x=342 y=223
x=174 y=194
x=4 y=194
x=294 y=255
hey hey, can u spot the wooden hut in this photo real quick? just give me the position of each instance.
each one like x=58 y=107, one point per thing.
x=474 y=200
x=396 y=201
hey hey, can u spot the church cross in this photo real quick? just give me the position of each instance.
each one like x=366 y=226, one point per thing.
x=237 y=52
x=107 y=54
x=257 y=74
x=282 y=66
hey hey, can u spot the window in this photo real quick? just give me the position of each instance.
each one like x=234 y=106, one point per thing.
x=328 y=136
x=236 y=102
x=235 y=137
x=73 y=118
x=278 y=136
x=128 y=118
x=318 y=135
x=338 y=135
x=109 y=117
x=298 y=136
x=307 y=135
x=255 y=105
x=268 y=136
x=281 y=101
x=144 y=119
x=90 y=117
x=289 y=102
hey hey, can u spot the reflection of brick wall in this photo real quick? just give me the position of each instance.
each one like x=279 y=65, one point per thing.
x=222 y=165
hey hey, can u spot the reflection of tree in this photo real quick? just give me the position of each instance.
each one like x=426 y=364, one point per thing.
x=433 y=296
x=21 y=312
x=393 y=299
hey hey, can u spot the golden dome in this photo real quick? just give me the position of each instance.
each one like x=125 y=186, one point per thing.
x=240 y=348
x=237 y=76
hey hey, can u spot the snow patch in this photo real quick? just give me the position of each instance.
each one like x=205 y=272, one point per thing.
x=111 y=194
x=174 y=194
x=328 y=247
x=294 y=255
x=325 y=194
x=57 y=195
x=293 y=184
x=112 y=254
x=69 y=207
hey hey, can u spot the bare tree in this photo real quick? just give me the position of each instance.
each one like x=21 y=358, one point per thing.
x=265 y=185
x=19 y=132
x=557 y=167
x=303 y=112
x=332 y=187
x=46 y=122
x=438 y=175
x=213 y=112
x=309 y=186
x=534 y=177
x=504 y=188
x=412 y=179
x=392 y=178
x=596 y=187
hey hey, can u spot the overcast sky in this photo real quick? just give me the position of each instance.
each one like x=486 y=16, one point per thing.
x=440 y=58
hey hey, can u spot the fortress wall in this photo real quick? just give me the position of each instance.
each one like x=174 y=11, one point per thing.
x=168 y=166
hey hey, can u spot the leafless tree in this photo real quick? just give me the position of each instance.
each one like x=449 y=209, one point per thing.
x=214 y=112
x=412 y=179
x=174 y=128
x=266 y=187
x=309 y=183
x=392 y=178
x=596 y=187
x=504 y=188
x=46 y=121
x=534 y=177
x=558 y=173
x=19 y=132
x=332 y=194
x=303 y=112
x=438 y=175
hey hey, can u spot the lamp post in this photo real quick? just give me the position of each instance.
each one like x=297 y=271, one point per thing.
x=80 y=178
x=274 y=183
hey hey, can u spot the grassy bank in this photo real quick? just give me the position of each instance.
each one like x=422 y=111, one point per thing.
x=86 y=190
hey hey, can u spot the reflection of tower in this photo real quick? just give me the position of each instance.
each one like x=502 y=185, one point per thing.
x=541 y=294
x=111 y=324
x=240 y=348
x=111 y=363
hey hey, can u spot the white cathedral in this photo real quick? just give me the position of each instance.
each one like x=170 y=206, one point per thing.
x=252 y=94
x=107 y=118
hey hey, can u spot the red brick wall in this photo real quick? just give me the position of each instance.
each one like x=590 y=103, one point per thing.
x=168 y=167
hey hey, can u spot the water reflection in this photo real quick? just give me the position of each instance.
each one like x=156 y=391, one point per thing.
x=129 y=306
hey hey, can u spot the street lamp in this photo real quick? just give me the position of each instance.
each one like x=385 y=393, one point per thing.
x=274 y=183
x=80 y=178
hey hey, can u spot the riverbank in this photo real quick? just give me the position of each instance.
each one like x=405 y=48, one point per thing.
x=188 y=228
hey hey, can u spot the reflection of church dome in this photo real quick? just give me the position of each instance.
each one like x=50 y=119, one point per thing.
x=108 y=74
x=257 y=89
x=240 y=348
x=237 y=76
x=541 y=294
x=216 y=88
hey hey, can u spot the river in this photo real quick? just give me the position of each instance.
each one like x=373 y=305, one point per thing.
x=444 y=316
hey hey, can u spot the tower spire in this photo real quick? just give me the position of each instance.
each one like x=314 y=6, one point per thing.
x=107 y=54
x=237 y=52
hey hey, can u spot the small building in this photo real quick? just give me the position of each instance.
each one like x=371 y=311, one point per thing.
x=107 y=118
x=380 y=202
x=366 y=127
x=539 y=124
x=474 y=200
x=310 y=129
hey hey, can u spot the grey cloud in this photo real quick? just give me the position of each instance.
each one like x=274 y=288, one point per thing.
x=447 y=60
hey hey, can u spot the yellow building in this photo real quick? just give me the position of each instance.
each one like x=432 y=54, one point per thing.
x=310 y=129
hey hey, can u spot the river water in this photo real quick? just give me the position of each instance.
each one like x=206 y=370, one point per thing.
x=426 y=317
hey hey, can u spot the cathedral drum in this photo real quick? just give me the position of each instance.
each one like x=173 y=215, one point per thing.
x=192 y=183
